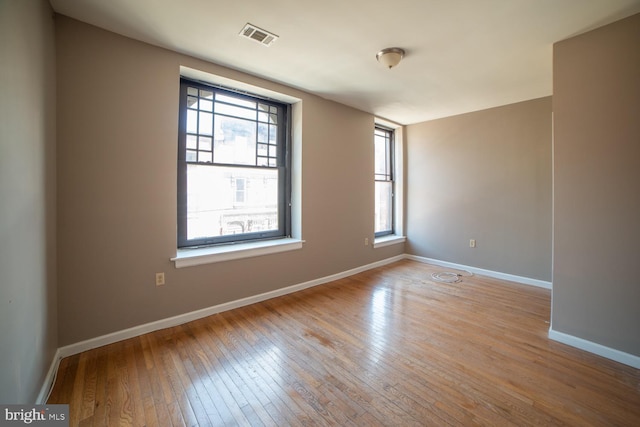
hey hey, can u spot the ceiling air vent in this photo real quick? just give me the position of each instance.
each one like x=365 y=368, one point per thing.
x=258 y=35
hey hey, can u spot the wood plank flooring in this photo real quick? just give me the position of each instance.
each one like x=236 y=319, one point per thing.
x=385 y=347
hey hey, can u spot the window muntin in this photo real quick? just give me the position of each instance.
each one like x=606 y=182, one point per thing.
x=233 y=176
x=384 y=181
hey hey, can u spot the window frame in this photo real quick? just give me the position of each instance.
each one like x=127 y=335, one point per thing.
x=389 y=176
x=283 y=168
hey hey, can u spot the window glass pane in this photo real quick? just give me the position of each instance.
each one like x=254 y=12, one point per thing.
x=273 y=134
x=263 y=132
x=192 y=121
x=191 y=156
x=191 y=142
x=205 y=124
x=383 y=206
x=204 y=156
x=263 y=117
x=206 y=105
x=273 y=151
x=273 y=119
x=206 y=94
x=229 y=200
x=381 y=160
x=263 y=150
x=236 y=101
x=234 y=111
x=205 y=143
x=192 y=91
x=235 y=141
x=192 y=102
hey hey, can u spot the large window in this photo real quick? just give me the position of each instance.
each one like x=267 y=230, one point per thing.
x=384 y=181
x=233 y=172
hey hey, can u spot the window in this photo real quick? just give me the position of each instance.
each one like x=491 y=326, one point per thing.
x=233 y=172
x=240 y=190
x=384 y=181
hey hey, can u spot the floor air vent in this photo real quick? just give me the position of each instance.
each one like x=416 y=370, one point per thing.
x=258 y=35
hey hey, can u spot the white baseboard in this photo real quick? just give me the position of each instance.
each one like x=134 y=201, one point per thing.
x=135 y=331
x=49 y=380
x=599 y=349
x=483 y=272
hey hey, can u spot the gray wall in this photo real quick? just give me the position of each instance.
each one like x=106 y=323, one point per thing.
x=596 y=103
x=117 y=133
x=28 y=328
x=484 y=175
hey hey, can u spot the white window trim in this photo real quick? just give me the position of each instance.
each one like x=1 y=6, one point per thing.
x=398 y=199
x=227 y=252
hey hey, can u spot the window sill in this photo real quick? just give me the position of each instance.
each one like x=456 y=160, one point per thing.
x=209 y=255
x=392 y=239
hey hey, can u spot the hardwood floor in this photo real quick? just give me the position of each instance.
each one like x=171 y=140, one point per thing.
x=385 y=347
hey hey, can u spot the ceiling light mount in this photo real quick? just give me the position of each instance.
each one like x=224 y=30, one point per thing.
x=390 y=57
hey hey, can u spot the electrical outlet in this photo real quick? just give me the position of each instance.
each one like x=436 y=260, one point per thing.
x=159 y=279
x=366 y=241
x=472 y=243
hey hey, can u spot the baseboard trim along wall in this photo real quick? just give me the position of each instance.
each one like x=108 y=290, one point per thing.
x=49 y=380
x=495 y=274
x=595 y=348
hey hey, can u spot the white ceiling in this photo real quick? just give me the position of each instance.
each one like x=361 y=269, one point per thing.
x=462 y=55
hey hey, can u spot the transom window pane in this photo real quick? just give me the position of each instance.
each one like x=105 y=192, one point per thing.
x=236 y=124
x=382 y=145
